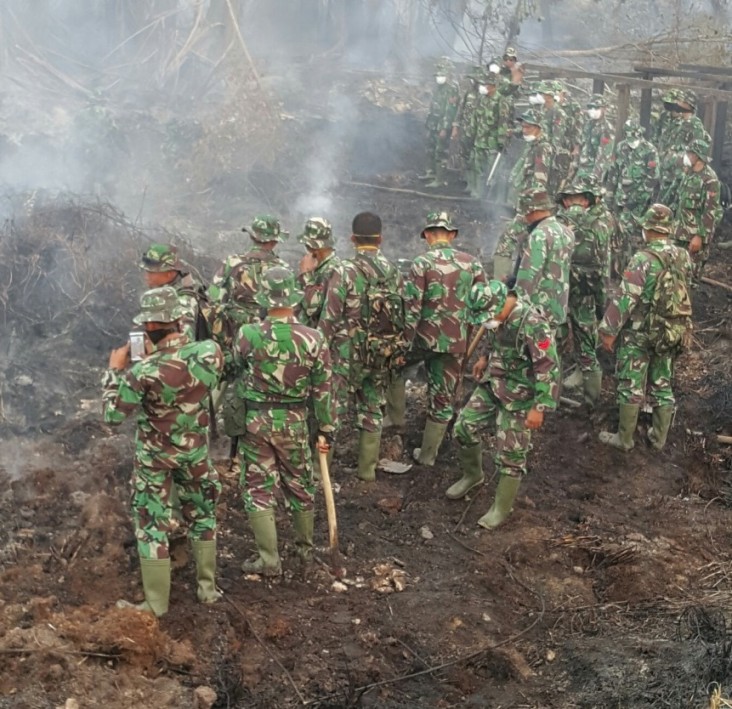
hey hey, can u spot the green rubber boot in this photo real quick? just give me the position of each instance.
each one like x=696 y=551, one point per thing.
x=204 y=554
x=502 y=267
x=439 y=180
x=592 y=383
x=627 y=420
x=396 y=403
x=432 y=437
x=303 y=522
x=471 y=466
x=369 y=445
x=503 y=504
x=265 y=535
x=663 y=417
x=156 y=585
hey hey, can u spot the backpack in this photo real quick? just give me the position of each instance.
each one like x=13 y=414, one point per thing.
x=668 y=323
x=587 y=253
x=383 y=318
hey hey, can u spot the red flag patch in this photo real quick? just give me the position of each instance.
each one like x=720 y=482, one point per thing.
x=544 y=344
x=604 y=140
x=652 y=163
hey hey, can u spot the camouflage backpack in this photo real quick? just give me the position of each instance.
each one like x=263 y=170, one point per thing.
x=383 y=315
x=668 y=323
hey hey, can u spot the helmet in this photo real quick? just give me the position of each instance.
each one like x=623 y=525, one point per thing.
x=699 y=147
x=265 y=228
x=532 y=117
x=160 y=258
x=533 y=201
x=159 y=305
x=318 y=234
x=486 y=300
x=597 y=101
x=658 y=219
x=439 y=220
x=583 y=183
x=278 y=289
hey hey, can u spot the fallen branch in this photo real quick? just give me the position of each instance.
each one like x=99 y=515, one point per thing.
x=718 y=284
x=724 y=439
x=406 y=191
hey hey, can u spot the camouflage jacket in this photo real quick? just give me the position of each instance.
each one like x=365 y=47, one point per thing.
x=323 y=290
x=543 y=274
x=630 y=307
x=679 y=134
x=281 y=361
x=533 y=171
x=436 y=291
x=592 y=229
x=464 y=116
x=491 y=122
x=698 y=209
x=189 y=292
x=170 y=387
x=523 y=365
x=633 y=176
x=598 y=141
x=558 y=126
x=575 y=123
x=661 y=128
x=443 y=107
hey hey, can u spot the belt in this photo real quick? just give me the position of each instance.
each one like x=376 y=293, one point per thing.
x=268 y=405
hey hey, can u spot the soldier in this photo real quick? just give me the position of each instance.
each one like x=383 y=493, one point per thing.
x=170 y=386
x=519 y=382
x=698 y=210
x=462 y=127
x=440 y=118
x=322 y=275
x=576 y=122
x=491 y=122
x=634 y=314
x=162 y=267
x=661 y=127
x=592 y=225
x=543 y=270
x=598 y=139
x=279 y=364
x=373 y=292
x=632 y=181
x=436 y=323
x=510 y=72
x=533 y=171
x=557 y=126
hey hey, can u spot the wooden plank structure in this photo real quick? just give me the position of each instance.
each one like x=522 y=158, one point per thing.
x=713 y=86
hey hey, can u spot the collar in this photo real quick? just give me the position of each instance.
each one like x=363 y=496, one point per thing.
x=366 y=249
x=441 y=245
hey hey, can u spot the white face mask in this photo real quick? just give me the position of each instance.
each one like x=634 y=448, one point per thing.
x=536 y=100
x=594 y=113
x=687 y=160
x=483 y=90
x=441 y=80
x=529 y=138
x=634 y=143
x=494 y=69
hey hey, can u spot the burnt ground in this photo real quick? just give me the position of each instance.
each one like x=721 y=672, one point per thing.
x=610 y=586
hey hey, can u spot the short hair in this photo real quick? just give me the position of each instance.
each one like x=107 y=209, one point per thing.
x=366 y=224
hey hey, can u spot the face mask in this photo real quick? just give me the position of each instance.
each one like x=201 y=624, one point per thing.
x=574 y=210
x=157 y=335
x=687 y=160
x=529 y=138
x=483 y=90
x=536 y=100
x=440 y=80
x=594 y=113
x=634 y=143
x=494 y=69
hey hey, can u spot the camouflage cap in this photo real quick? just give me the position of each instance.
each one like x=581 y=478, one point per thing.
x=546 y=87
x=597 y=101
x=583 y=183
x=318 y=234
x=160 y=258
x=278 y=289
x=532 y=117
x=700 y=147
x=633 y=129
x=476 y=71
x=485 y=301
x=489 y=79
x=159 y=305
x=265 y=228
x=671 y=95
x=658 y=218
x=510 y=53
x=534 y=201
x=688 y=97
x=439 y=220
x=444 y=66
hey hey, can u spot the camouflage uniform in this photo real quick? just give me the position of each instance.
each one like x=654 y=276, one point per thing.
x=558 y=132
x=160 y=258
x=631 y=181
x=698 y=209
x=575 y=125
x=543 y=272
x=533 y=171
x=598 y=140
x=661 y=126
x=464 y=116
x=440 y=118
x=323 y=307
x=170 y=386
x=234 y=286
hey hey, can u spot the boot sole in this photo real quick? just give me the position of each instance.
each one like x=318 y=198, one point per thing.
x=460 y=496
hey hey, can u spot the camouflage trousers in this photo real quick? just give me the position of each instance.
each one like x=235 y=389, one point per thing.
x=628 y=239
x=583 y=307
x=697 y=260
x=437 y=151
x=481 y=162
x=513 y=438
x=198 y=488
x=275 y=453
x=339 y=387
x=443 y=374
x=639 y=369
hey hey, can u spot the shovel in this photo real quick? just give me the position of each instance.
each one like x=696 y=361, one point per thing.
x=335 y=554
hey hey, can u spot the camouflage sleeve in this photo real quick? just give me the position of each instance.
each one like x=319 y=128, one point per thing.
x=504 y=122
x=122 y=393
x=625 y=302
x=712 y=211
x=320 y=386
x=542 y=167
x=509 y=241
x=533 y=257
x=414 y=293
x=653 y=172
x=545 y=364
x=208 y=365
x=333 y=313
x=218 y=290
x=313 y=298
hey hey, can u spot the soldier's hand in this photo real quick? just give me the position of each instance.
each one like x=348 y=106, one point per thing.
x=443 y=134
x=308 y=263
x=608 y=342
x=534 y=419
x=120 y=358
x=455 y=133
x=325 y=441
x=695 y=245
x=479 y=367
